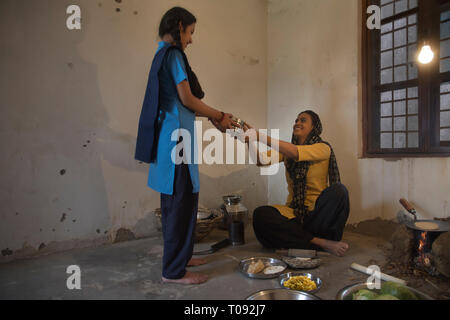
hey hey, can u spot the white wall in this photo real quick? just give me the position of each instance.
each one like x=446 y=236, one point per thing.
x=61 y=88
x=314 y=60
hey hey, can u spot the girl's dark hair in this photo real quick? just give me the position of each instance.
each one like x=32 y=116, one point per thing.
x=171 y=20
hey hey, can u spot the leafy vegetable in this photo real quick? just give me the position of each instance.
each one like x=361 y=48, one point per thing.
x=398 y=291
x=364 y=294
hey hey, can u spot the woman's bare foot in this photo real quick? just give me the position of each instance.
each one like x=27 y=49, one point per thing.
x=196 y=262
x=189 y=278
x=338 y=248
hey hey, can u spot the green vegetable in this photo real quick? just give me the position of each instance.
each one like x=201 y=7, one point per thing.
x=397 y=290
x=386 y=297
x=364 y=294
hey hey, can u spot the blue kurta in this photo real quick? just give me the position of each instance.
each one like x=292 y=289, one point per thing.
x=172 y=116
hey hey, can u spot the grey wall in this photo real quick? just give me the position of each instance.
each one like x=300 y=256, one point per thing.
x=70 y=103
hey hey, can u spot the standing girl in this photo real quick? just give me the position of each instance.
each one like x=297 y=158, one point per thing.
x=172 y=101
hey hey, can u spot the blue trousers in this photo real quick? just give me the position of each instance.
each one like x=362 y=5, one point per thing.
x=179 y=218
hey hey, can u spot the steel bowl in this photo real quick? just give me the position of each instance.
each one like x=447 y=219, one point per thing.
x=243 y=266
x=281 y=294
x=286 y=276
x=232 y=199
x=346 y=293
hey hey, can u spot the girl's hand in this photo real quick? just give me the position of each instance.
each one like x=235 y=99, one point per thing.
x=217 y=125
x=228 y=122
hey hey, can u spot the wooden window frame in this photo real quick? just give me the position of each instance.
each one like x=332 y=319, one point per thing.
x=428 y=82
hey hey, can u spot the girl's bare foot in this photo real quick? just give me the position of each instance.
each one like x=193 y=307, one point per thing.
x=338 y=248
x=196 y=262
x=189 y=278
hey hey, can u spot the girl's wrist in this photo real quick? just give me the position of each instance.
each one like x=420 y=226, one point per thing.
x=222 y=116
x=219 y=120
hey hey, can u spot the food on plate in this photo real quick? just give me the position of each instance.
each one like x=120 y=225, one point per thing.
x=389 y=291
x=256 y=267
x=302 y=283
x=273 y=269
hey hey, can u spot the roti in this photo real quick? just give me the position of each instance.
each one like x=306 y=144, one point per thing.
x=427 y=225
x=273 y=269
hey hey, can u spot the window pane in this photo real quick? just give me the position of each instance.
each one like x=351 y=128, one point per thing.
x=412 y=19
x=412 y=71
x=413 y=106
x=399 y=140
x=413 y=123
x=400 y=56
x=413 y=92
x=400 y=94
x=386 y=124
x=386 y=109
x=412 y=53
x=386 y=140
x=400 y=38
x=445 y=119
x=445 y=30
x=445 y=134
x=386 y=59
x=400 y=124
x=387 y=11
x=386 y=27
x=399 y=108
x=413 y=140
x=412 y=4
x=445 y=15
x=445 y=65
x=386 y=96
x=412 y=34
x=386 y=76
x=445 y=87
x=386 y=41
x=400 y=74
x=401 y=6
x=445 y=48
x=445 y=102
x=400 y=23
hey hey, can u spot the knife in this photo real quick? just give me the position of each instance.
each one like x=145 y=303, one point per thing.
x=303 y=253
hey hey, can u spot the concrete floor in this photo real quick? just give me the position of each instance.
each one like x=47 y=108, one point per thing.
x=132 y=270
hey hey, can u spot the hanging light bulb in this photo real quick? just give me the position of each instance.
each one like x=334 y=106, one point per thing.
x=426 y=55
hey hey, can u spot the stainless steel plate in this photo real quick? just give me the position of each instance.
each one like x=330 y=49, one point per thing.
x=281 y=294
x=346 y=293
x=286 y=276
x=268 y=262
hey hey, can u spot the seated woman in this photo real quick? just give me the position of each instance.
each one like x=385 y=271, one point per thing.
x=318 y=204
